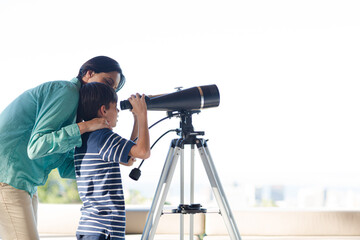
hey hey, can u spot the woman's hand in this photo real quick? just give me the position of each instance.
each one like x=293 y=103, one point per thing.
x=93 y=124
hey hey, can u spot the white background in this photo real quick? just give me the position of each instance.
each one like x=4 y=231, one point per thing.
x=287 y=71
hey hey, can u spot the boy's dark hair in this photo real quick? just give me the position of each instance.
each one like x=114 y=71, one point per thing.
x=92 y=97
x=101 y=64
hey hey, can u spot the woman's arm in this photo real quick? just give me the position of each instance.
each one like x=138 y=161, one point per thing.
x=55 y=130
x=67 y=168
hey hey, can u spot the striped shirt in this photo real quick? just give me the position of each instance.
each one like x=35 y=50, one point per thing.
x=99 y=183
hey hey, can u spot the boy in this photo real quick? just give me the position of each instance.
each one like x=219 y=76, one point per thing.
x=97 y=162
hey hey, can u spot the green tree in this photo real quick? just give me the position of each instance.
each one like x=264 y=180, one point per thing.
x=58 y=190
x=135 y=197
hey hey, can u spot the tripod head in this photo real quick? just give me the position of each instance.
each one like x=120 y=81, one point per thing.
x=186 y=130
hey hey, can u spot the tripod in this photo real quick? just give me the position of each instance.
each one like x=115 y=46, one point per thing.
x=176 y=150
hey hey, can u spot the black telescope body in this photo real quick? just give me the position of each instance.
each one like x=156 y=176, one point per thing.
x=194 y=98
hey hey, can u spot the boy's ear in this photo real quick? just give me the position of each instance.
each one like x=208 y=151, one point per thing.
x=102 y=111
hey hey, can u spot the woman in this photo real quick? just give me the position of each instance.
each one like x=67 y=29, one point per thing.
x=38 y=132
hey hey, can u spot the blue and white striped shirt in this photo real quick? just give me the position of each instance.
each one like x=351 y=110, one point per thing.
x=99 y=183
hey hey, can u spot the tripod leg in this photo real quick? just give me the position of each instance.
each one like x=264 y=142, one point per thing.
x=218 y=190
x=150 y=217
x=182 y=195
x=161 y=191
x=192 y=187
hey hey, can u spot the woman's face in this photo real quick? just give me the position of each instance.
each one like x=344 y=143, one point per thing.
x=111 y=78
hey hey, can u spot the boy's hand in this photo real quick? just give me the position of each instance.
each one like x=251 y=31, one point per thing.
x=130 y=162
x=139 y=105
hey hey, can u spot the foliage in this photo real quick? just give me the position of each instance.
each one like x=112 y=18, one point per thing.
x=58 y=190
x=134 y=197
x=266 y=203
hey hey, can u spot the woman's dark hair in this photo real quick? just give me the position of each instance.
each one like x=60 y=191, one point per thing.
x=92 y=97
x=102 y=64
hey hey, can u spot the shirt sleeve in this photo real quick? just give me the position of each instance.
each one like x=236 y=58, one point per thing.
x=114 y=148
x=55 y=130
x=67 y=168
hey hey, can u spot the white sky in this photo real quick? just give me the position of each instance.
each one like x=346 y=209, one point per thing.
x=287 y=71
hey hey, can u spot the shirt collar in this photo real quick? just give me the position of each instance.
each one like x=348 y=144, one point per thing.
x=77 y=82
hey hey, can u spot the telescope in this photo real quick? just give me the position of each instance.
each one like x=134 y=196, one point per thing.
x=194 y=98
x=184 y=103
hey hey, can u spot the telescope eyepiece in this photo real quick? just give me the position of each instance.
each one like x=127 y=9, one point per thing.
x=125 y=104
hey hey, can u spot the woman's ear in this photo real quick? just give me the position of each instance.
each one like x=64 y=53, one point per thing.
x=88 y=75
x=102 y=111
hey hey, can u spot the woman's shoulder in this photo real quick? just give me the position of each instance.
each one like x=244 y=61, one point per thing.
x=57 y=89
x=58 y=85
x=61 y=85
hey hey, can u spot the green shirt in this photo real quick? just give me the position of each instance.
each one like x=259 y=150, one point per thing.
x=38 y=132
